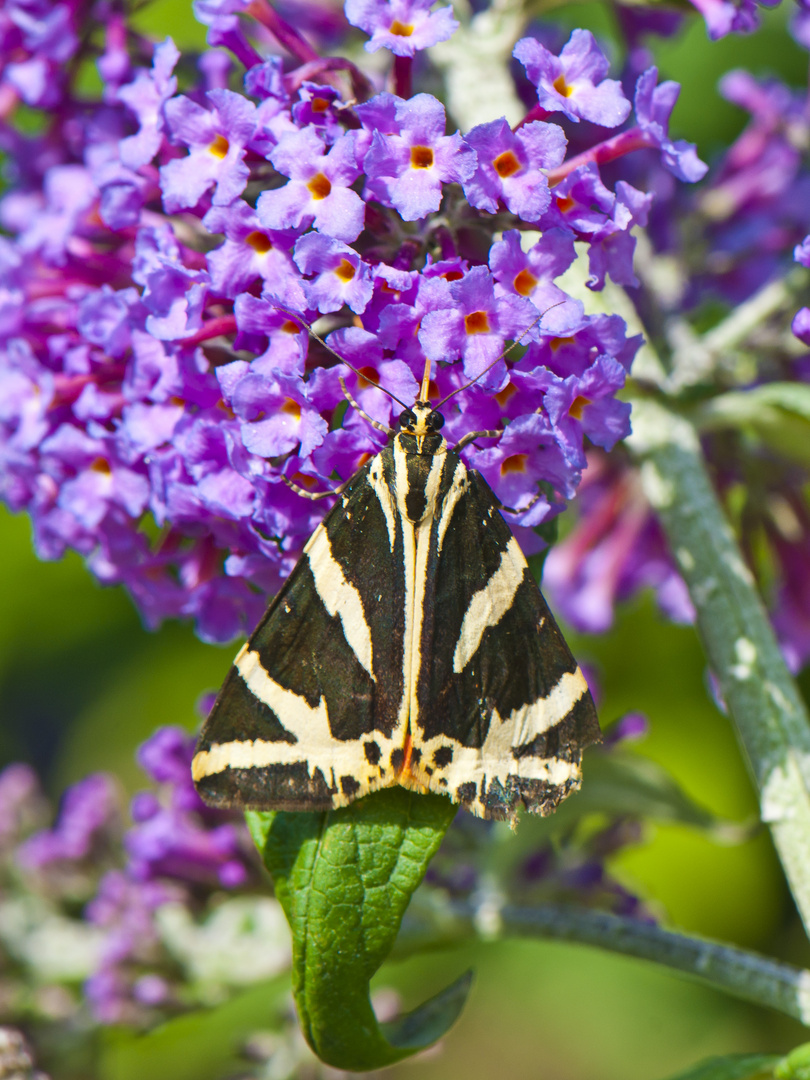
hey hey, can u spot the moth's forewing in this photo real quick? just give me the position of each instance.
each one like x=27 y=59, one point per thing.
x=500 y=694
x=306 y=717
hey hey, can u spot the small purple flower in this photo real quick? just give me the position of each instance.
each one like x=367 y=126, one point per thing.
x=251 y=251
x=216 y=139
x=510 y=166
x=275 y=413
x=477 y=326
x=586 y=405
x=526 y=453
x=403 y=26
x=316 y=107
x=278 y=342
x=406 y=167
x=51 y=229
x=801 y=253
x=173 y=293
x=726 y=16
x=146 y=96
x=89 y=808
x=318 y=192
x=531 y=274
x=612 y=246
x=341 y=276
x=125 y=909
x=801 y=325
x=574 y=83
x=631 y=727
x=107 y=318
x=653 y=107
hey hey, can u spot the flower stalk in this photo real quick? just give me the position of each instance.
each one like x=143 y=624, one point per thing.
x=742 y=650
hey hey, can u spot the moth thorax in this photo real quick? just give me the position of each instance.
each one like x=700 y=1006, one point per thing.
x=419 y=430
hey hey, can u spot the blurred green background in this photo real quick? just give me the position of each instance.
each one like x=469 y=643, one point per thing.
x=82 y=684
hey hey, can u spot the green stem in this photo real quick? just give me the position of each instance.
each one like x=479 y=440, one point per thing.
x=769 y=714
x=744 y=974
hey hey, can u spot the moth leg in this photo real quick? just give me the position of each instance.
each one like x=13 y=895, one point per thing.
x=314 y=495
x=471 y=436
x=522 y=509
x=374 y=423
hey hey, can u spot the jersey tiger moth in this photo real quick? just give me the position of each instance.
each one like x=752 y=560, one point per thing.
x=410 y=645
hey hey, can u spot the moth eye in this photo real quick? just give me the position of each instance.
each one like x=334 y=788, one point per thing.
x=435 y=421
x=407 y=419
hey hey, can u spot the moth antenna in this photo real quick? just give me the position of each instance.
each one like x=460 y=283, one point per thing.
x=506 y=352
x=522 y=509
x=369 y=419
x=334 y=352
x=314 y=495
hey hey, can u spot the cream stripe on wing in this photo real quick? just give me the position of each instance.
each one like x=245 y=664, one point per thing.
x=496 y=759
x=381 y=490
x=459 y=485
x=315 y=746
x=339 y=596
x=489 y=605
x=538 y=716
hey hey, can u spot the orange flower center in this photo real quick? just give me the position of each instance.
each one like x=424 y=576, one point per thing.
x=506 y=164
x=564 y=203
x=290 y=327
x=578 y=407
x=292 y=408
x=368 y=377
x=219 y=147
x=101 y=465
x=525 y=283
x=319 y=105
x=477 y=322
x=421 y=157
x=514 y=463
x=344 y=270
x=401 y=29
x=562 y=87
x=508 y=391
x=259 y=242
x=320 y=186
x=558 y=342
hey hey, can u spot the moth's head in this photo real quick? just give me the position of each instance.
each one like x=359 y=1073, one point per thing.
x=419 y=429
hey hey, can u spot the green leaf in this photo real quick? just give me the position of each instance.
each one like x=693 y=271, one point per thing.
x=344 y=879
x=776 y=413
x=201 y=1045
x=795 y=1066
x=732 y=1067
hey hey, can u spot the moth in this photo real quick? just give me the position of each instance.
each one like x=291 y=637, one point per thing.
x=410 y=645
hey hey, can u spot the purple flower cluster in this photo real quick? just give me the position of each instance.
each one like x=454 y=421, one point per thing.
x=166 y=252
x=176 y=848
x=176 y=852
